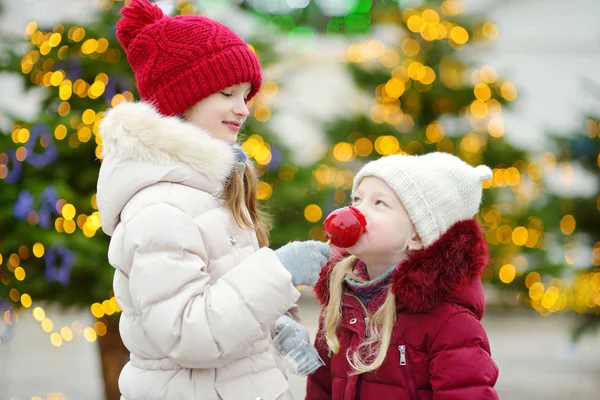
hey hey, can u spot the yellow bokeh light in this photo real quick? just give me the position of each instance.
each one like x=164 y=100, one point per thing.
x=507 y=273
x=64 y=108
x=88 y=116
x=107 y=307
x=512 y=176
x=471 y=143
x=96 y=310
x=56 y=339
x=55 y=39
x=520 y=235
x=262 y=113
x=488 y=74
x=65 y=92
x=47 y=325
x=31 y=28
x=23 y=135
x=479 y=109
x=313 y=213
x=415 y=23
x=459 y=35
x=66 y=333
x=504 y=234
x=56 y=78
x=60 y=132
x=78 y=34
x=97 y=89
x=363 y=147
x=269 y=89
x=495 y=127
x=84 y=134
x=38 y=314
x=26 y=300
x=100 y=328
x=536 y=291
x=482 y=92
x=490 y=31
x=343 y=151
x=69 y=226
x=20 y=273
x=508 y=91
x=567 y=224
x=89 y=46
x=263 y=190
x=115 y=304
x=416 y=71
x=263 y=155
x=430 y=17
x=550 y=297
x=429 y=76
x=68 y=211
x=387 y=145
x=102 y=45
x=410 y=47
x=451 y=7
x=434 y=132
x=395 y=87
x=14 y=295
x=90 y=334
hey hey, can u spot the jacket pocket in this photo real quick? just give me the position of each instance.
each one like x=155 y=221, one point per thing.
x=406 y=368
x=268 y=384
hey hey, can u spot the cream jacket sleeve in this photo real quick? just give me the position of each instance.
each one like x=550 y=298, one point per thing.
x=197 y=324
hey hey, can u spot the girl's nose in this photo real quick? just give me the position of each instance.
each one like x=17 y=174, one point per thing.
x=362 y=209
x=241 y=109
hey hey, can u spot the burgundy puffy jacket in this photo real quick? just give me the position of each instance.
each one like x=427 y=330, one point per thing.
x=439 y=349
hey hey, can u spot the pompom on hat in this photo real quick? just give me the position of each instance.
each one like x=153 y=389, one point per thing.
x=178 y=61
x=437 y=189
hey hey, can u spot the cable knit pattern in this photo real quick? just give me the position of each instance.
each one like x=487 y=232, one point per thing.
x=437 y=189
x=178 y=61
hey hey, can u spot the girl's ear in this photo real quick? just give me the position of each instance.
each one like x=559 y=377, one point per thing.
x=415 y=243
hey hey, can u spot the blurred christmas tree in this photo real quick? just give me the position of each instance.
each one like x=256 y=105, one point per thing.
x=572 y=218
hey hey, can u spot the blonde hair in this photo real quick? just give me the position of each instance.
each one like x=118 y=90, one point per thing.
x=240 y=195
x=370 y=354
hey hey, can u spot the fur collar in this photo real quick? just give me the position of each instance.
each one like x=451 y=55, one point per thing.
x=447 y=271
x=137 y=132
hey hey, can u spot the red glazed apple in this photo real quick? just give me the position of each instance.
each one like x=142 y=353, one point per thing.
x=344 y=226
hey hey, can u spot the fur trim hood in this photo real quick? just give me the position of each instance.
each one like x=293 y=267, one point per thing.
x=448 y=270
x=141 y=147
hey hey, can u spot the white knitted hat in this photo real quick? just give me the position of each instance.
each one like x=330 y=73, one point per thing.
x=437 y=189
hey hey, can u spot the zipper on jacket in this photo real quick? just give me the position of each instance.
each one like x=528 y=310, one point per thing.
x=402 y=354
x=412 y=387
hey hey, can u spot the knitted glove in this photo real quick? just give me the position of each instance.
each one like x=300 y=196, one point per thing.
x=304 y=260
x=295 y=348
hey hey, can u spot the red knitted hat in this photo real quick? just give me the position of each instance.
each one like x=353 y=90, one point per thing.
x=178 y=61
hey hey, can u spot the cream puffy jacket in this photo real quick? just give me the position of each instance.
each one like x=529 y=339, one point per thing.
x=198 y=295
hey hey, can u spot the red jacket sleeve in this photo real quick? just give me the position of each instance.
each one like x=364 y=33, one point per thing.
x=461 y=365
x=318 y=384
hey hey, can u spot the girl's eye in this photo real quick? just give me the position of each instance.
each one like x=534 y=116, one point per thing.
x=226 y=94
x=379 y=202
x=355 y=200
